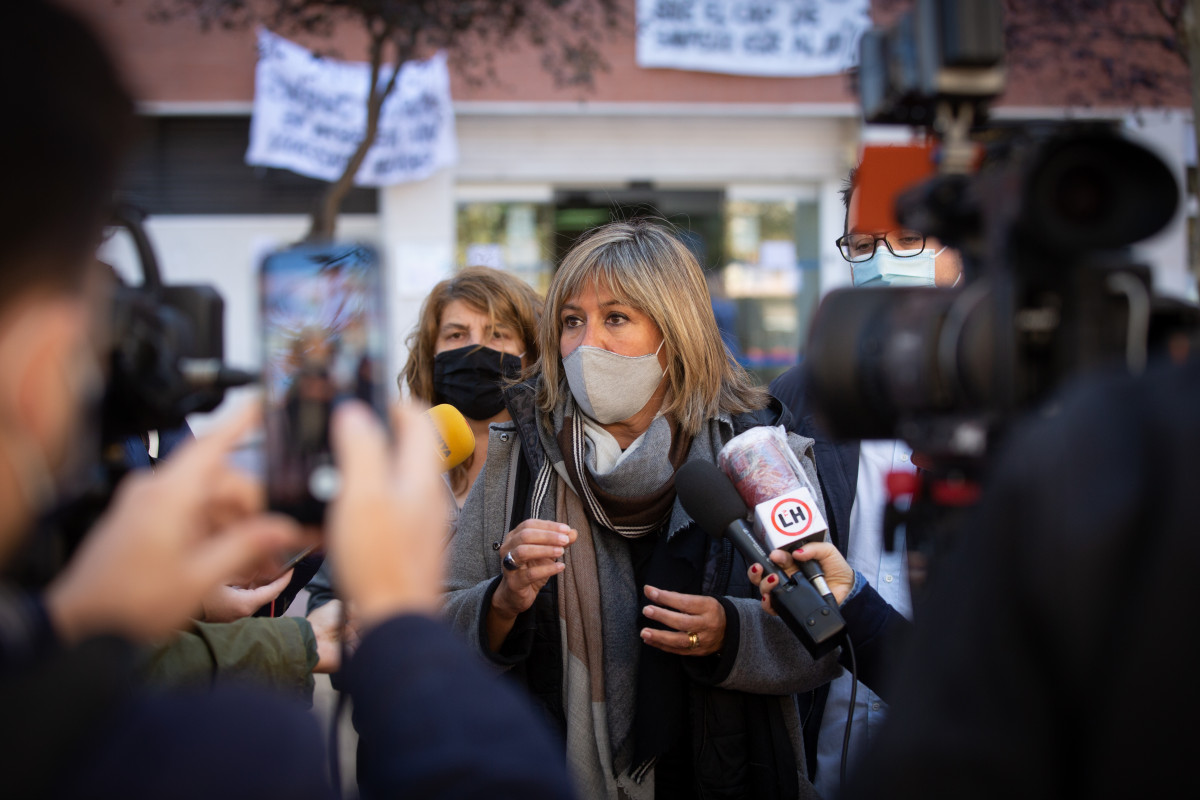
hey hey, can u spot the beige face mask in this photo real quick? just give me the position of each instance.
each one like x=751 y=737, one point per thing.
x=610 y=387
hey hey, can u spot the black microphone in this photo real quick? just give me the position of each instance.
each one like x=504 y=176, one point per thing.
x=710 y=499
x=769 y=479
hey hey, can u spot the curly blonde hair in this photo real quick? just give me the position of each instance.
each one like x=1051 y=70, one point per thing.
x=503 y=297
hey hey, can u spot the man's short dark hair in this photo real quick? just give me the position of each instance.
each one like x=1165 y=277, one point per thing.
x=847 y=192
x=69 y=119
x=848 y=187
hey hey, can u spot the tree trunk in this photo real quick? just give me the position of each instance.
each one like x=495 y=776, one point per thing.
x=323 y=224
x=1191 y=31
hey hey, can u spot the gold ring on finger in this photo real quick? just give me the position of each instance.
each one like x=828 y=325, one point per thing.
x=693 y=641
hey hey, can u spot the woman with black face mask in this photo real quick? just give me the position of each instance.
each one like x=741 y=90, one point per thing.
x=476 y=330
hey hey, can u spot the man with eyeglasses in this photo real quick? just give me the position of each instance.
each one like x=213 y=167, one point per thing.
x=852 y=477
x=900 y=257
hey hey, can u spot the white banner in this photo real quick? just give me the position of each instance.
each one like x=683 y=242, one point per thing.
x=775 y=38
x=310 y=114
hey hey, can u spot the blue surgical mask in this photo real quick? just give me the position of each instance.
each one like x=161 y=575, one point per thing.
x=886 y=269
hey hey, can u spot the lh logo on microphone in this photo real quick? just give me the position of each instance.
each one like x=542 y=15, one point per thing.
x=792 y=517
x=789 y=519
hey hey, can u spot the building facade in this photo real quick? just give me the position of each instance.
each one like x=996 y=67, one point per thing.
x=749 y=169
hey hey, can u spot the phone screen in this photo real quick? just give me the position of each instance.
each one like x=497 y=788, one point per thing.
x=324 y=341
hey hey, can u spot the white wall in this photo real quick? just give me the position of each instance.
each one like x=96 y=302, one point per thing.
x=1168 y=133
x=670 y=150
x=418 y=225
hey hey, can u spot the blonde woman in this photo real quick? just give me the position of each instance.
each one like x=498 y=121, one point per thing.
x=673 y=682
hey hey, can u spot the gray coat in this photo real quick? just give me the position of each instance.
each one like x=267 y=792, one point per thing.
x=766 y=658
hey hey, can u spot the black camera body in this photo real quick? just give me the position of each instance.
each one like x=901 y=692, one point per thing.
x=1044 y=223
x=167 y=358
x=163 y=360
x=1049 y=289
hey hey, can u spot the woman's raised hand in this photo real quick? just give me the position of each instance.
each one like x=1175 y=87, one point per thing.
x=530 y=555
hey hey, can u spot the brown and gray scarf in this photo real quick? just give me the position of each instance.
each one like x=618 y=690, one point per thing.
x=597 y=592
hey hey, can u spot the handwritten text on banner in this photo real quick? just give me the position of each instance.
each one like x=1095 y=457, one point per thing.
x=775 y=38
x=310 y=114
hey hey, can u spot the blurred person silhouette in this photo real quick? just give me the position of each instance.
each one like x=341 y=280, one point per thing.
x=1055 y=638
x=77 y=722
x=853 y=477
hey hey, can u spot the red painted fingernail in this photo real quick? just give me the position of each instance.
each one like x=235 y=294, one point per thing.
x=771 y=579
x=755 y=568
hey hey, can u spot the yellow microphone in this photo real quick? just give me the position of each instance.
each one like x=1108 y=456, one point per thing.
x=456 y=443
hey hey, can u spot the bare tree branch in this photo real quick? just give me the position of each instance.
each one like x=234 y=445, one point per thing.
x=472 y=32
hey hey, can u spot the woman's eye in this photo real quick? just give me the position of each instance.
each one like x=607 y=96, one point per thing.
x=617 y=319
x=572 y=322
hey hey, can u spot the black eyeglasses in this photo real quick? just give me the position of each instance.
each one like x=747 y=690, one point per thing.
x=857 y=247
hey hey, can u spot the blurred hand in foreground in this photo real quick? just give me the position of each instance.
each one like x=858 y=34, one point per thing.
x=386 y=531
x=168 y=539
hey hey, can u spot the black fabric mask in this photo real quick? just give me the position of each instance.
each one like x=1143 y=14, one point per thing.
x=469 y=379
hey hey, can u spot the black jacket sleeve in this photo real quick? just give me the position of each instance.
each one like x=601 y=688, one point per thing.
x=434 y=721
x=878 y=634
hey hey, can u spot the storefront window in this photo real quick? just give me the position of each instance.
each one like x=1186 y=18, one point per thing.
x=766 y=291
x=517 y=237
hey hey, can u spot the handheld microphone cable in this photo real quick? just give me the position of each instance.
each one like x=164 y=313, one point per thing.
x=850 y=711
x=339 y=707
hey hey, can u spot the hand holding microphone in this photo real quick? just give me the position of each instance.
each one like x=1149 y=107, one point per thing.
x=769 y=479
x=837 y=572
x=710 y=499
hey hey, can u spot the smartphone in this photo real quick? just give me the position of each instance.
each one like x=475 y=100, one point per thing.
x=324 y=341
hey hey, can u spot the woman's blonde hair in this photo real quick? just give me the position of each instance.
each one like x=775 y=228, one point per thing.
x=506 y=299
x=645 y=266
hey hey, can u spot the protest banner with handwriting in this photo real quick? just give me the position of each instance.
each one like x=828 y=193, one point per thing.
x=773 y=38
x=310 y=113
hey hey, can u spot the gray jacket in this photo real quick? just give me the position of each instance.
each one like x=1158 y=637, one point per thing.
x=765 y=659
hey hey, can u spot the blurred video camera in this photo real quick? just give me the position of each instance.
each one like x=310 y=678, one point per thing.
x=1044 y=217
x=168 y=348
x=163 y=360
x=1044 y=225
